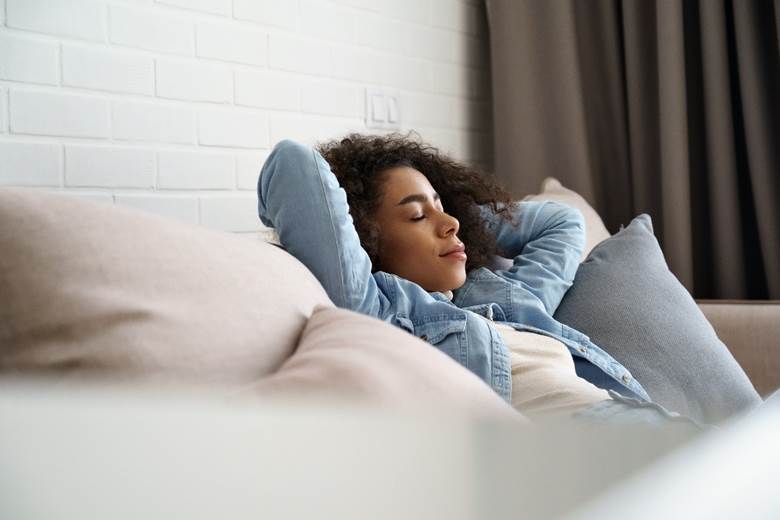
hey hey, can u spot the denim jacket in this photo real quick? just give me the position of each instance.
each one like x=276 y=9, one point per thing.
x=301 y=198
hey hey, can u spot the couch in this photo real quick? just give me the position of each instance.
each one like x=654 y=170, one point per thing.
x=155 y=369
x=751 y=330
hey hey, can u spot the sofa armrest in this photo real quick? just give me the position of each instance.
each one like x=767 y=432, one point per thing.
x=751 y=331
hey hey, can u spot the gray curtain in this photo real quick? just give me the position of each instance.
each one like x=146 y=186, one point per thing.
x=668 y=108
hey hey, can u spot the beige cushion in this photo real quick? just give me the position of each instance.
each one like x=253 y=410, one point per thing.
x=98 y=288
x=348 y=356
x=595 y=230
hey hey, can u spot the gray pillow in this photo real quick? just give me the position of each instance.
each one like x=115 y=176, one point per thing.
x=625 y=298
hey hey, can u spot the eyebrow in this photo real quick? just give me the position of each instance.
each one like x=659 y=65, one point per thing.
x=417 y=197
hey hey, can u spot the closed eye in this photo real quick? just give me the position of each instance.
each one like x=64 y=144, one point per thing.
x=418 y=218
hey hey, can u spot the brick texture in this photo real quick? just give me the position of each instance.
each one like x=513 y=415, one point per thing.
x=134 y=121
x=104 y=166
x=171 y=106
x=82 y=19
x=28 y=60
x=194 y=81
x=30 y=164
x=101 y=69
x=67 y=115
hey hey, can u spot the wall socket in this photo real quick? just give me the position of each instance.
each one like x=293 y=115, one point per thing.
x=383 y=108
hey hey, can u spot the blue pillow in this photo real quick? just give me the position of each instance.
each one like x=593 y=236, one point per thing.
x=625 y=298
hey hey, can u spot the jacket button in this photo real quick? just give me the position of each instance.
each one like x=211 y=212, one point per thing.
x=424 y=337
x=626 y=378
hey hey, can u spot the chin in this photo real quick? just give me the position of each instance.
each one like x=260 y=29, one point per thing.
x=450 y=283
x=456 y=283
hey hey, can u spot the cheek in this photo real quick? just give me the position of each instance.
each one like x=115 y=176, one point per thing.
x=403 y=248
x=398 y=245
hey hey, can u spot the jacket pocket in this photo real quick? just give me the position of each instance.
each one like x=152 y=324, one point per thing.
x=436 y=331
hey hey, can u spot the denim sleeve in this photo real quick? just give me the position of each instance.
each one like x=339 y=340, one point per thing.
x=545 y=240
x=300 y=197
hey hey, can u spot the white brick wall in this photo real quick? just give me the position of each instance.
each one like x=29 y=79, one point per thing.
x=3 y=110
x=184 y=208
x=141 y=121
x=297 y=54
x=147 y=28
x=101 y=166
x=267 y=12
x=248 y=169
x=171 y=106
x=56 y=114
x=82 y=19
x=194 y=81
x=324 y=19
x=209 y=6
x=230 y=212
x=30 y=164
x=241 y=128
x=327 y=97
x=28 y=60
x=268 y=90
x=228 y=42
x=100 y=69
x=195 y=171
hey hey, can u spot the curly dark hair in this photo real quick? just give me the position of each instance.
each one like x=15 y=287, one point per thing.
x=358 y=161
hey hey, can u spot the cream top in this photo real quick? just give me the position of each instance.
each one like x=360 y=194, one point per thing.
x=544 y=380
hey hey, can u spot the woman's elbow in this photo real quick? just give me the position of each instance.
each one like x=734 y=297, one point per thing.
x=573 y=221
x=288 y=164
x=288 y=154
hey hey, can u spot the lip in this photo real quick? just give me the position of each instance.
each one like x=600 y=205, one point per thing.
x=455 y=253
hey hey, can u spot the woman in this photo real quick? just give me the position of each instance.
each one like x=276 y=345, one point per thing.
x=417 y=255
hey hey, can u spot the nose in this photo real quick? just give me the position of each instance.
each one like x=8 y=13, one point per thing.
x=449 y=225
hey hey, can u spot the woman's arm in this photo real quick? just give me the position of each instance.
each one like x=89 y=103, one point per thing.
x=300 y=197
x=545 y=240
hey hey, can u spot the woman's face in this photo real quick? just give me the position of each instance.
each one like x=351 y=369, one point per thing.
x=417 y=239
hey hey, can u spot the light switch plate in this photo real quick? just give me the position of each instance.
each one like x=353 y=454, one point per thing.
x=383 y=108
x=393 y=115
x=378 y=109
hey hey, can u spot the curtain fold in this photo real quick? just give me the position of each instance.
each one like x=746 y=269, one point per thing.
x=668 y=108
